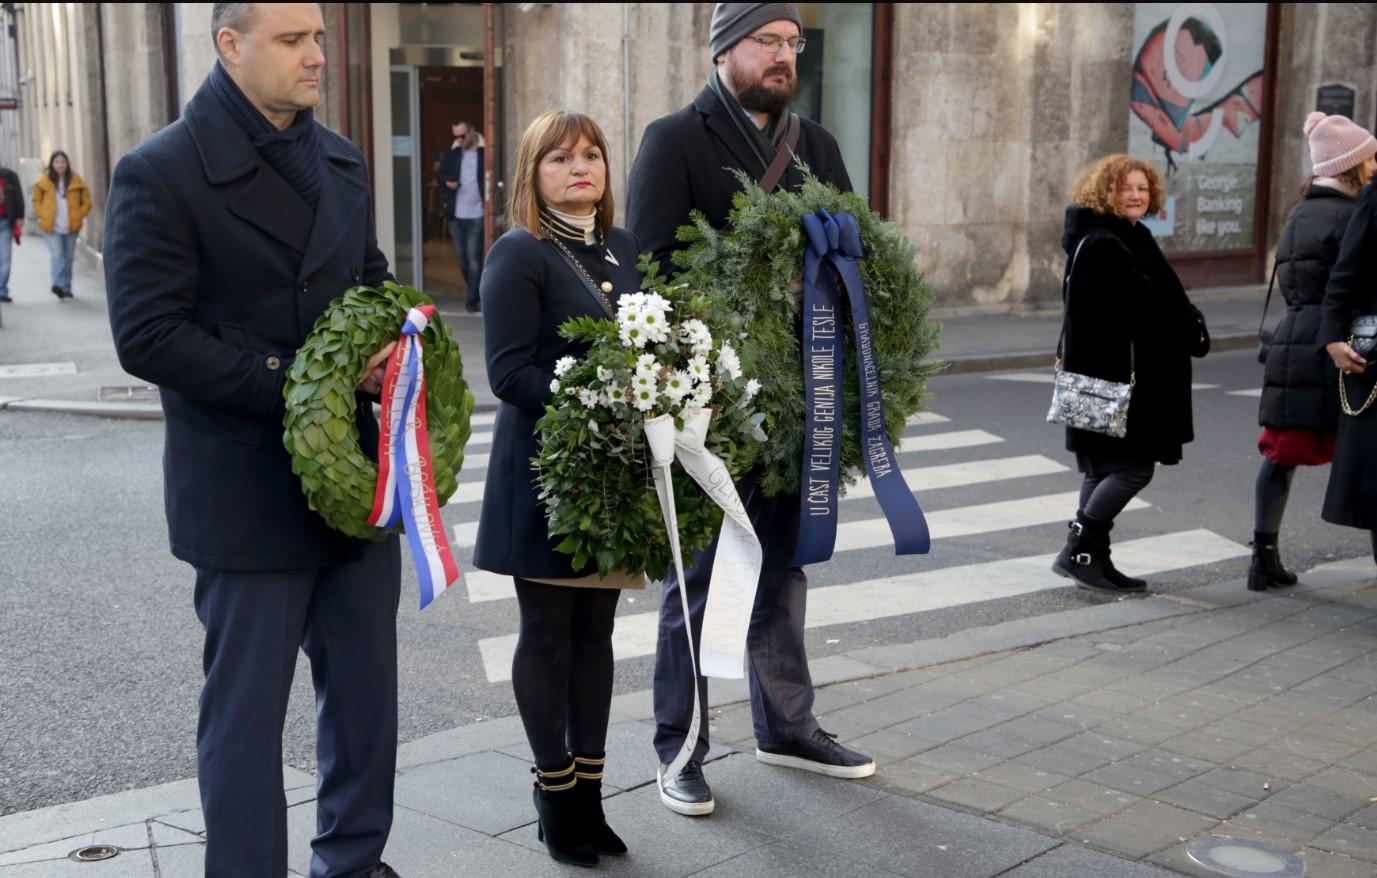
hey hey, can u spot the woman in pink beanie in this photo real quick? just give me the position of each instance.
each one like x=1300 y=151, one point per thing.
x=1351 y=291
x=1299 y=410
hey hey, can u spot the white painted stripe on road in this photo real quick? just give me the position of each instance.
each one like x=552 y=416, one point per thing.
x=635 y=635
x=485 y=586
x=37 y=370
x=1049 y=378
x=484 y=420
x=976 y=472
x=950 y=439
x=961 y=521
x=923 y=418
x=1255 y=392
x=480 y=439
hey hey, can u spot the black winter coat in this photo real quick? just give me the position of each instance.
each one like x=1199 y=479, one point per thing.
x=1300 y=384
x=1128 y=314
x=14 y=196
x=528 y=291
x=685 y=162
x=215 y=271
x=1351 y=291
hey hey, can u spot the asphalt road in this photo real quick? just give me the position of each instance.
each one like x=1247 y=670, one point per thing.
x=100 y=648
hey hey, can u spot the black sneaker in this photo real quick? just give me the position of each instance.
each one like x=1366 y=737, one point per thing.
x=57 y=291
x=820 y=753
x=687 y=792
x=5 y=300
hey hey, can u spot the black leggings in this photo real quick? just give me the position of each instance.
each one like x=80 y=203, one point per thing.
x=1269 y=496
x=562 y=669
x=1104 y=495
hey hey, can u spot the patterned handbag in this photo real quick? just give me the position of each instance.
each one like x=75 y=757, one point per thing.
x=1083 y=401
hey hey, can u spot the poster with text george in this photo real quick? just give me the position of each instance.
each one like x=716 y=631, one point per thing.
x=1195 y=109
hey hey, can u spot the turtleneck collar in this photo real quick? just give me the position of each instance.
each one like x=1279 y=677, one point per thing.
x=582 y=229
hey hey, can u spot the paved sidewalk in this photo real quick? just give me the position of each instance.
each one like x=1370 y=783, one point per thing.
x=58 y=355
x=1093 y=743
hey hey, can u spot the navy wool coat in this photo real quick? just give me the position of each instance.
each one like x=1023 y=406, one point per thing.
x=528 y=292
x=215 y=272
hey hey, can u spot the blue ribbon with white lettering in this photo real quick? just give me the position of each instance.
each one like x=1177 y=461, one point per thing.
x=836 y=243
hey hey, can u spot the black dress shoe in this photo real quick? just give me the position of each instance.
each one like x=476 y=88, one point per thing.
x=57 y=291
x=687 y=792
x=820 y=753
x=382 y=870
x=5 y=299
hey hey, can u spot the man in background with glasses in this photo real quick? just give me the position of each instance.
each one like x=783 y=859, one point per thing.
x=741 y=120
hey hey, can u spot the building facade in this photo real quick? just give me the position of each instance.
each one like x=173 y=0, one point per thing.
x=965 y=123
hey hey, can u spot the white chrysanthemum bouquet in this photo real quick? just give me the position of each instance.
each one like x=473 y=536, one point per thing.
x=660 y=356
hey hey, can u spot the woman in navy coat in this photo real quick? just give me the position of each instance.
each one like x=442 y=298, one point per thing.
x=562 y=258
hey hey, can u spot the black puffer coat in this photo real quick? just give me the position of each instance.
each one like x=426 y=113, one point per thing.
x=1123 y=295
x=1300 y=384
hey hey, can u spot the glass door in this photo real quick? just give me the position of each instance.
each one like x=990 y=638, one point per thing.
x=406 y=175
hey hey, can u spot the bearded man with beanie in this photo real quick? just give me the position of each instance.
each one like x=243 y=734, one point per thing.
x=227 y=234
x=740 y=120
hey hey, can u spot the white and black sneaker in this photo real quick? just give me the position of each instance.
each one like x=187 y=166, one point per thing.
x=820 y=753
x=687 y=792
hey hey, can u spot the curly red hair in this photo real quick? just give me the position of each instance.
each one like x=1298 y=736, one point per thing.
x=1097 y=185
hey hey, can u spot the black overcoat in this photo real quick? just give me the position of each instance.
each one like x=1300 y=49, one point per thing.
x=1352 y=290
x=685 y=163
x=528 y=291
x=1129 y=315
x=216 y=270
x=1300 y=384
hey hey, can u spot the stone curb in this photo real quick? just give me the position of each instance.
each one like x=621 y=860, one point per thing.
x=960 y=365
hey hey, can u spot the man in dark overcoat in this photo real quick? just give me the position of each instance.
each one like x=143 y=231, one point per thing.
x=685 y=163
x=228 y=233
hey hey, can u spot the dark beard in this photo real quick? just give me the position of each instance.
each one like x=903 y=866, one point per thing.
x=761 y=98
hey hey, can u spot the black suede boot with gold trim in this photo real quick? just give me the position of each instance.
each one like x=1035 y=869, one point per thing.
x=561 y=822
x=588 y=770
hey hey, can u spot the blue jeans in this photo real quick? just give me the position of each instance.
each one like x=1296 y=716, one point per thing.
x=63 y=251
x=467 y=237
x=6 y=245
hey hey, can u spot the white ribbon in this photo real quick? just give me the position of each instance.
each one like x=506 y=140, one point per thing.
x=736 y=569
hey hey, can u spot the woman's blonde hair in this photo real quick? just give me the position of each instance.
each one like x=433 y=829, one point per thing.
x=1097 y=185
x=548 y=132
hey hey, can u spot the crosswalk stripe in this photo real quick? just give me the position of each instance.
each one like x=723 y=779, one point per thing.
x=923 y=418
x=484 y=586
x=961 y=521
x=635 y=634
x=1256 y=391
x=930 y=442
x=480 y=439
x=485 y=419
x=1049 y=378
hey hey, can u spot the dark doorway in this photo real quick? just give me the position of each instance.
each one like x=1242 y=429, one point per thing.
x=447 y=94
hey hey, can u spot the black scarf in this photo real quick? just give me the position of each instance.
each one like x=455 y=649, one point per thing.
x=762 y=142
x=294 y=153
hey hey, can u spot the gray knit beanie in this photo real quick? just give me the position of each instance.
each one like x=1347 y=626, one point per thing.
x=733 y=22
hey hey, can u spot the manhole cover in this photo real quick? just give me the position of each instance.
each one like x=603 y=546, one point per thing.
x=1244 y=858
x=94 y=852
x=137 y=393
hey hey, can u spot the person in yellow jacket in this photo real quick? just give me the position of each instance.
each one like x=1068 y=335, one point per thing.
x=61 y=200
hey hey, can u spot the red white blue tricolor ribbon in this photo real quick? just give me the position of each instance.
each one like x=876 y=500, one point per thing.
x=406 y=482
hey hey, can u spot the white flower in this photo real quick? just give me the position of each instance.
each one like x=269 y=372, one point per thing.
x=645 y=379
x=702 y=395
x=554 y=386
x=728 y=363
x=563 y=365
x=614 y=395
x=632 y=335
x=752 y=388
x=678 y=385
x=698 y=368
x=593 y=426
x=696 y=335
x=646 y=363
x=604 y=374
x=588 y=398
x=645 y=399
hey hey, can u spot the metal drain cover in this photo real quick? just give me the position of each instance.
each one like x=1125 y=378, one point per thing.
x=1244 y=858
x=94 y=853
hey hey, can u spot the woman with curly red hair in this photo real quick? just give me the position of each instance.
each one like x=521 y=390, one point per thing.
x=1129 y=321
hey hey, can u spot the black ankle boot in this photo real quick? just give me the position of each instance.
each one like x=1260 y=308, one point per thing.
x=561 y=822
x=1084 y=557
x=1121 y=581
x=1266 y=571
x=588 y=770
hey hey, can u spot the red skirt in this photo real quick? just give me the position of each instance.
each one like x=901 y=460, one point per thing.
x=1296 y=447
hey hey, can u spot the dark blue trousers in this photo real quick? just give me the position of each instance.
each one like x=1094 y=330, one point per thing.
x=345 y=618
x=781 y=688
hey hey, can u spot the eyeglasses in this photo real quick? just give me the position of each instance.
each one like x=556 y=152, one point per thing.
x=771 y=43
